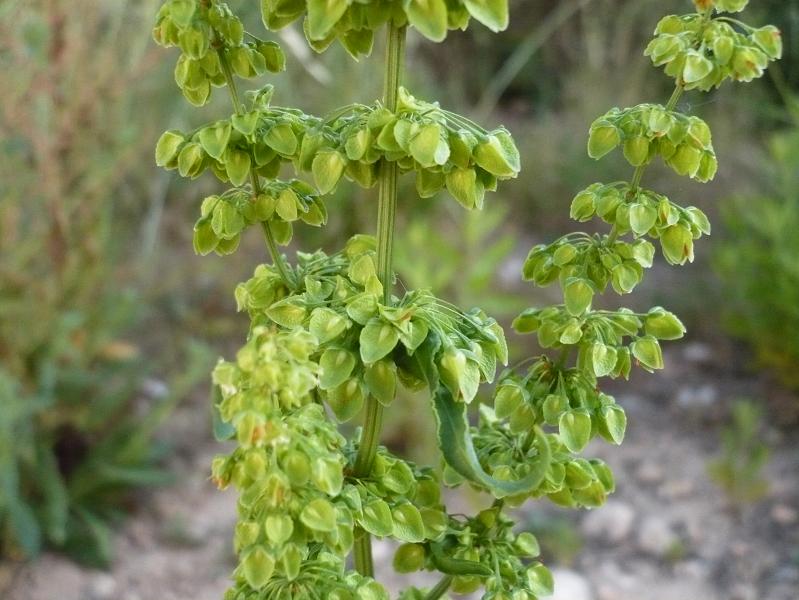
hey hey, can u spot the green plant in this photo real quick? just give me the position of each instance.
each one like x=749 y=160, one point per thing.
x=739 y=469
x=757 y=263
x=327 y=333
x=76 y=431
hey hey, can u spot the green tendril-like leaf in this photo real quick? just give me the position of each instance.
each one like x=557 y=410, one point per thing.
x=457 y=448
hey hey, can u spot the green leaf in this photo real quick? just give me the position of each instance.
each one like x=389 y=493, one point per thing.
x=327 y=169
x=319 y=515
x=377 y=518
x=381 y=381
x=378 y=338
x=491 y=13
x=408 y=523
x=575 y=429
x=323 y=15
x=257 y=566
x=429 y=17
x=457 y=448
x=456 y=566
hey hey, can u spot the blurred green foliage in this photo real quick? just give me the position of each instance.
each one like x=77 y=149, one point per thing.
x=76 y=429
x=738 y=468
x=758 y=261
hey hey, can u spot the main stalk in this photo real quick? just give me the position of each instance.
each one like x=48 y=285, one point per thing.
x=386 y=211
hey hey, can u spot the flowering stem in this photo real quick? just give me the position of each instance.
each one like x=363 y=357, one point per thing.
x=269 y=236
x=386 y=211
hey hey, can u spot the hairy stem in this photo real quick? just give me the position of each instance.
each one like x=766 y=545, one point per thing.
x=277 y=257
x=387 y=208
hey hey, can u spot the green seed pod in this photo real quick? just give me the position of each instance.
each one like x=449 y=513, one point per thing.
x=319 y=515
x=509 y=397
x=346 y=400
x=257 y=567
x=769 y=40
x=182 y=11
x=498 y=155
x=429 y=17
x=190 y=160
x=205 y=240
x=636 y=150
x=731 y=5
x=274 y=58
x=663 y=325
x=574 y=427
x=247 y=534
x=168 y=148
x=603 y=138
x=279 y=528
x=465 y=187
x=696 y=68
x=214 y=139
x=381 y=381
x=237 y=165
x=327 y=168
x=723 y=49
x=647 y=351
x=578 y=295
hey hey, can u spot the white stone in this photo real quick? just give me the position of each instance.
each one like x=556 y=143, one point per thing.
x=570 y=585
x=611 y=522
x=102 y=587
x=656 y=536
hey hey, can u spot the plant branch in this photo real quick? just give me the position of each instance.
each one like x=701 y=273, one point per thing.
x=269 y=236
x=440 y=589
x=387 y=208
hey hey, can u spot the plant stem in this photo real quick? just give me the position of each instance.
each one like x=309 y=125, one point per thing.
x=269 y=236
x=387 y=195
x=441 y=588
x=387 y=208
